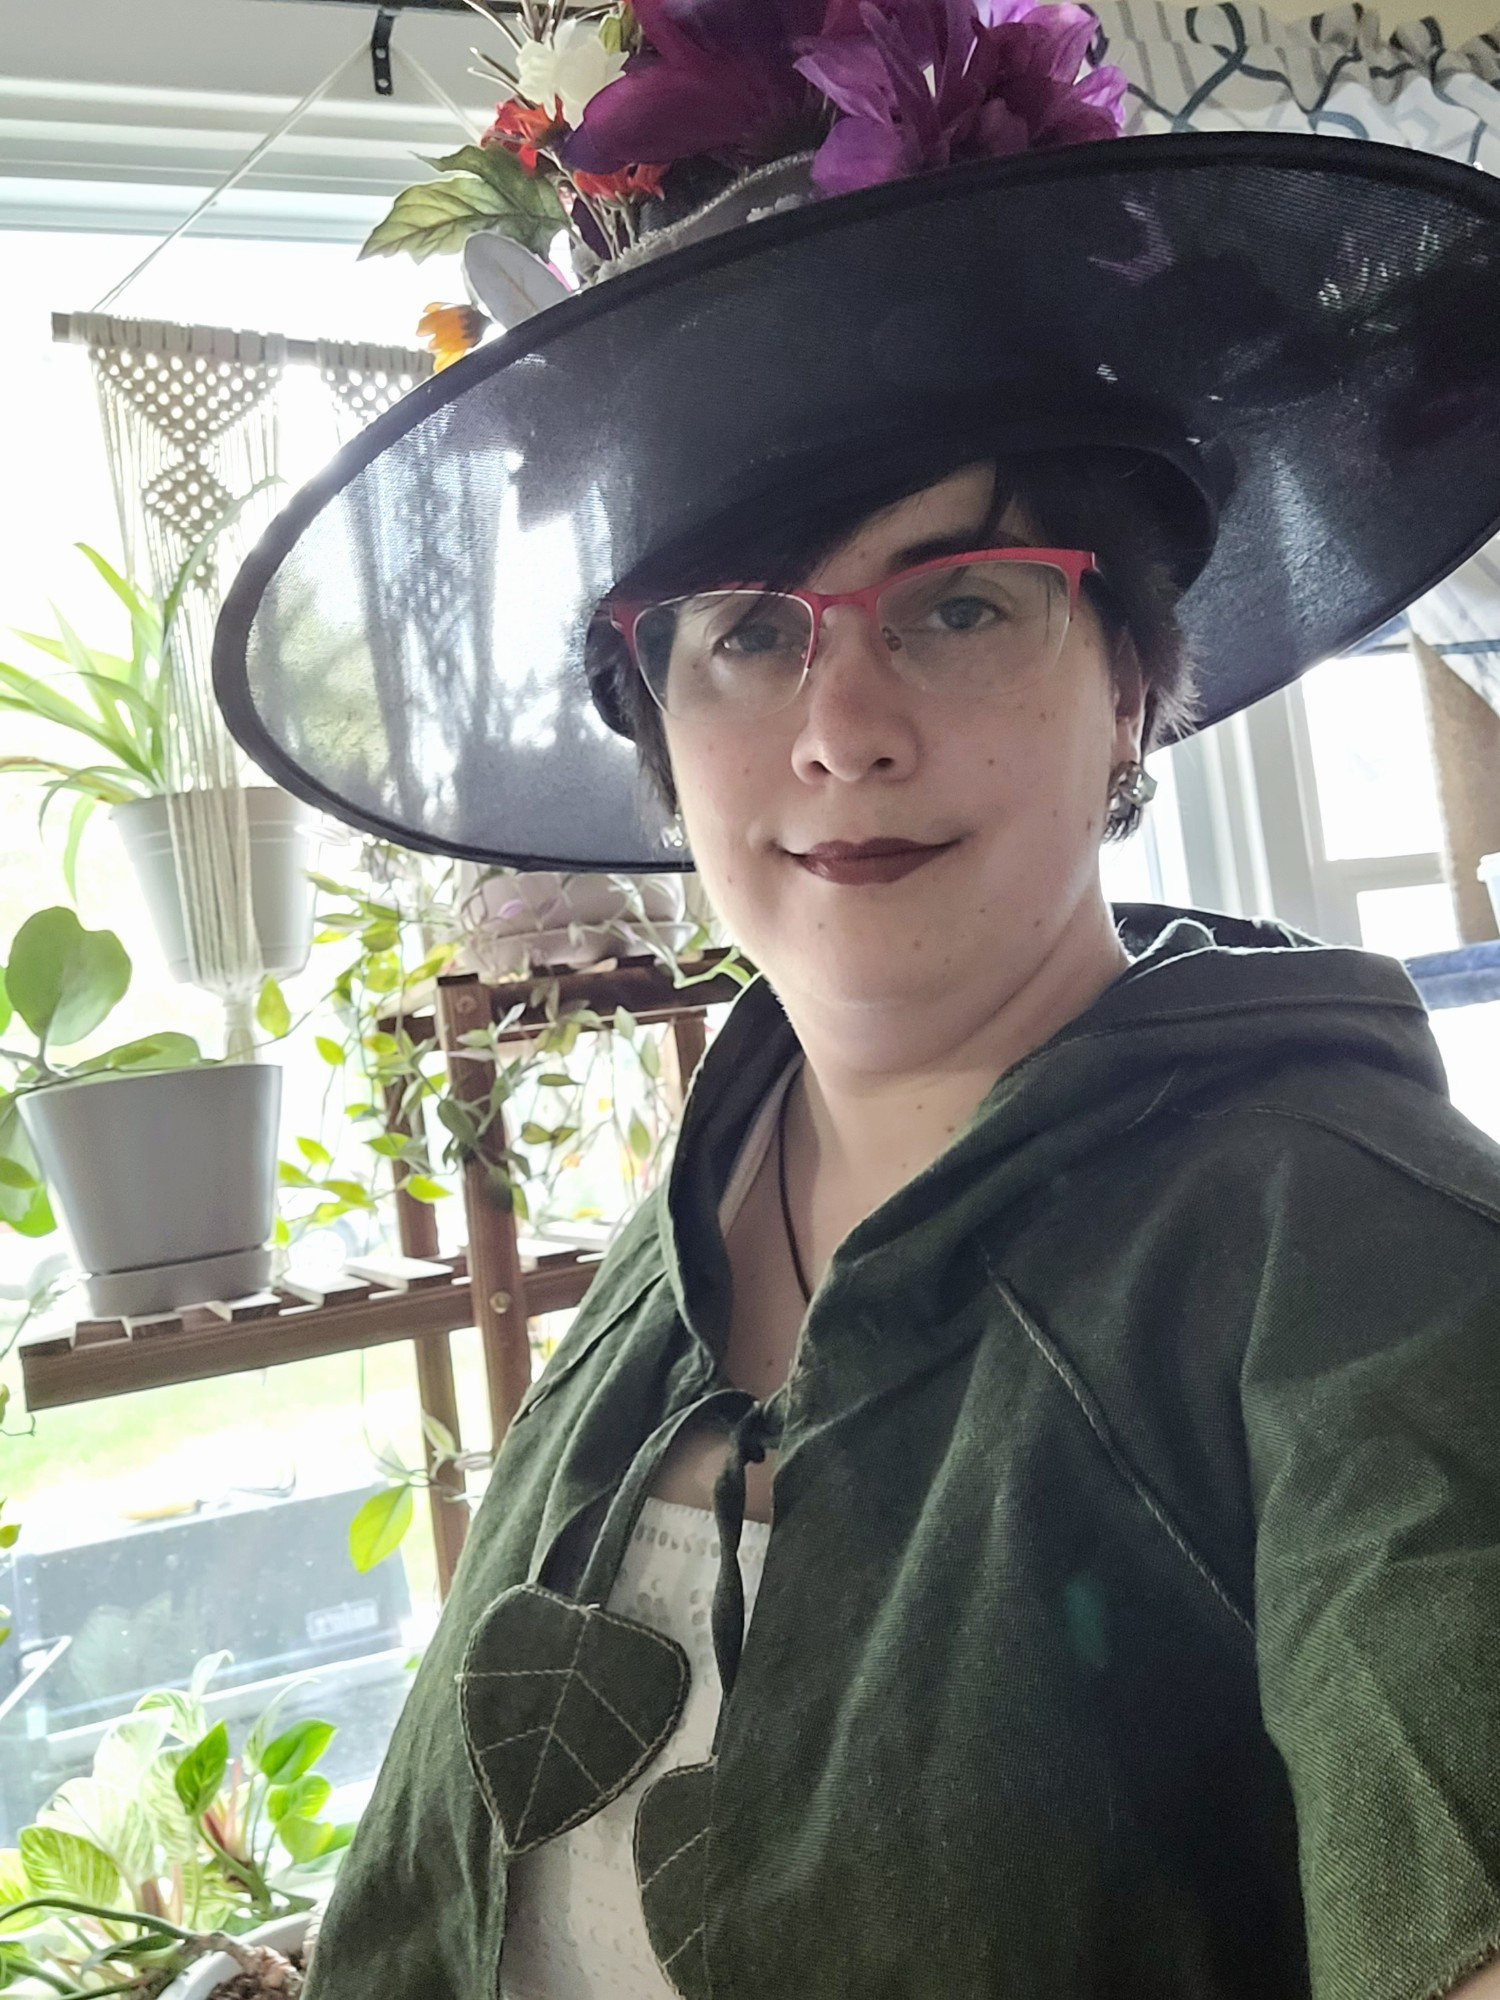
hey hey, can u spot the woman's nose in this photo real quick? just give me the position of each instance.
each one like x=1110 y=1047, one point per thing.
x=850 y=644
x=857 y=709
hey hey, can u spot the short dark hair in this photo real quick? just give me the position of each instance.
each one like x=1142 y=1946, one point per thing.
x=1100 y=498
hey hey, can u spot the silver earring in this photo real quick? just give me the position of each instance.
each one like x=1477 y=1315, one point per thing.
x=1131 y=788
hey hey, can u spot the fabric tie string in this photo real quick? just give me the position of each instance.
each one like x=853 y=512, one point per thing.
x=747 y=1443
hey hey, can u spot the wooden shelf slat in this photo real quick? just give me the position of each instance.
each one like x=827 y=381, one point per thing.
x=153 y=1324
x=309 y=1289
x=98 y=1332
x=418 y=1295
x=639 y=985
x=56 y=1370
x=238 y=1312
x=400 y=1274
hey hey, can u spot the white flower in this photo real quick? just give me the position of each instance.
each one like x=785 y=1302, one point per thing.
x=574 y=66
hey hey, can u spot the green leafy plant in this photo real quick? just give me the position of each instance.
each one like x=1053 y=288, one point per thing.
x=172 y=1847
x=380 y=1526
x=61 y=982
x=486 y=188
x=559 y=1109
x=117 y=705
x=566 y=1098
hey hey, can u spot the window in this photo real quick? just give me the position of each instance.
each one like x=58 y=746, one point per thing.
x=1320 y=806
x=123 y=1562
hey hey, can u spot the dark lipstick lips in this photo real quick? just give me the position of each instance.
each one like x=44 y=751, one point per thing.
x=875 y=861
x=850 y=850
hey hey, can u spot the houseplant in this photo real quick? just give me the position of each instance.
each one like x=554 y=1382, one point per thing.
x=587 y=1115
x=175 y=1864
x=162 y=1164
x=514 y=922
x=409 y=922
x=112 y=713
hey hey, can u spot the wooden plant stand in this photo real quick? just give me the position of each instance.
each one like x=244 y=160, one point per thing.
x=417 y=1295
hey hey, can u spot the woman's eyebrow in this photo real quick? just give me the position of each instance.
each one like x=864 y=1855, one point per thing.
x=951 y=545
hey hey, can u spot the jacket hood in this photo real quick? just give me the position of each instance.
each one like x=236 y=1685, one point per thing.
x=1210 y=1003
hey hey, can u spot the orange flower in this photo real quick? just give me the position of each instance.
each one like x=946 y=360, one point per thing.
x=450 y=331
x=616 y=186
x=524 y=128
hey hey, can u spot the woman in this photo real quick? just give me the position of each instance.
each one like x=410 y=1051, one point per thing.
x=1079 y=1323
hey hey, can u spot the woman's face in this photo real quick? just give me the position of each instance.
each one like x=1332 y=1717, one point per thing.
x=1017 y=784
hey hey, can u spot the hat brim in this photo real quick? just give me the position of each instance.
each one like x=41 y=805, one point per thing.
x=1301 y=329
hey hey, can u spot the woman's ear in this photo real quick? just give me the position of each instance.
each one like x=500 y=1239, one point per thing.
x=1129 y=683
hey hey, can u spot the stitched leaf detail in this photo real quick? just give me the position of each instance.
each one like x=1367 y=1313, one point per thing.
x=563 y=1705
x=671 y=1862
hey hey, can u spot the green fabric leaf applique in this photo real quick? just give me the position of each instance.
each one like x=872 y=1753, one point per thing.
x=671 y=1855
x=563 y=1705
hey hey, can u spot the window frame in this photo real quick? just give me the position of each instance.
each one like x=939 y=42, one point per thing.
x=1253 y=832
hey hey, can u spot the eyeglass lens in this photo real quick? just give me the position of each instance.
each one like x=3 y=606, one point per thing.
x=966 y=629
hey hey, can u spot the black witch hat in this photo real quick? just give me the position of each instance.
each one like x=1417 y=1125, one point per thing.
x=1302 y=335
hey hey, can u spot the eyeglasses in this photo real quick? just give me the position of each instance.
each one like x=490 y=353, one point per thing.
x=991 y=621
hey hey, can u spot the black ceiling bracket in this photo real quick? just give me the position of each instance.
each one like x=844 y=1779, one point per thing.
x=380 y=51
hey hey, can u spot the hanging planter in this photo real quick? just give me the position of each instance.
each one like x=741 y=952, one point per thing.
x=142 y=735
x=281 y=894
x=514 y=924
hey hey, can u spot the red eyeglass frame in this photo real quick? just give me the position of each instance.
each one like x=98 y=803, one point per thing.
x=1075 y=564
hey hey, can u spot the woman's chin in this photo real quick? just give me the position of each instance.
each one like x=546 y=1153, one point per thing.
x=865 y=975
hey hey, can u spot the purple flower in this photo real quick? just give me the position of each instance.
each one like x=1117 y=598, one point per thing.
x=719 y=76
x=926 y=83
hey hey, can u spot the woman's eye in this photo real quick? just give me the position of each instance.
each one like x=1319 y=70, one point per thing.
x=754 y=639
x=966 y=614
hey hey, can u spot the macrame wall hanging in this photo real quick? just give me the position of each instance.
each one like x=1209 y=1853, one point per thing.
x=364 y=381
x=190 y=420
x=190 y=426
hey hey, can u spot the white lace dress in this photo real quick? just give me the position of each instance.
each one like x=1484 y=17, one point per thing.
x=574 y=1929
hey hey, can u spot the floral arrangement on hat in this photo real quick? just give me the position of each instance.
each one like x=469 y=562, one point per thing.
x=613 y=108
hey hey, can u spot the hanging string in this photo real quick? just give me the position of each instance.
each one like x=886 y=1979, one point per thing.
x=235 y=174
x=257 y=152
x=190 y=423
x=434 y=89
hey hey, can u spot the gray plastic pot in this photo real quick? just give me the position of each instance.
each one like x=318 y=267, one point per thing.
x=281 y=896
x=166 y=1181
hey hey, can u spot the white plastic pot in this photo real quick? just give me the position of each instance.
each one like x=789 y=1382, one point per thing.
x=281 y=896
x=1489 y=874
x=286 y=1935
x=166 y=1181
x=514 y=923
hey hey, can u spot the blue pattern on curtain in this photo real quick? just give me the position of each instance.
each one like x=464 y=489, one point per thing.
x=1226 y=68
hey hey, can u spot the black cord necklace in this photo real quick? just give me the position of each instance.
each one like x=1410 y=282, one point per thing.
x=786 y=1207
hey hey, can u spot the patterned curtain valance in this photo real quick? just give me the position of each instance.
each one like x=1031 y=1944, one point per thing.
x=1227 y=67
